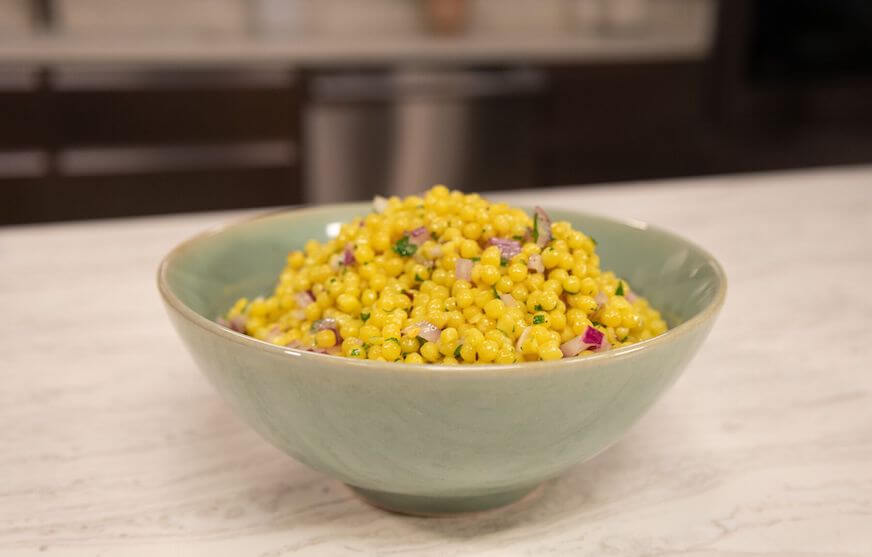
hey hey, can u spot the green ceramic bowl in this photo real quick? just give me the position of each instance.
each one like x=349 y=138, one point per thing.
x=430 y=439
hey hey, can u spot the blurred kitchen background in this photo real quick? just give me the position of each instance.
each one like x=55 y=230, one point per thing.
x=125 y=107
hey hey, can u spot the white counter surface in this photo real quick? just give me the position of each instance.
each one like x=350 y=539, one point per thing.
x=112 y=443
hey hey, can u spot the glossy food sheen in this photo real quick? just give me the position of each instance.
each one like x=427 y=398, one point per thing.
x=449 y=278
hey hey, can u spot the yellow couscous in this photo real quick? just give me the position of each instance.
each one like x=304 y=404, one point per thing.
x=449 y=278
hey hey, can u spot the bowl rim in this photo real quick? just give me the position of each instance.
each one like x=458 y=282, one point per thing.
x=708 y=313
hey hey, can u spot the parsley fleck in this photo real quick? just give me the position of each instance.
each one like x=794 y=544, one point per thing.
x=421 y=339
x=503 y=261
x=418 y=278
x=494 y=290
x=623 y=339
x=364 y=317
x=395 y=339
x=538 y=307
x=475 y=258
x=619 y=291
x=355 y=352
x=518 y=238
x=592 y=239
x=538 y=319
x=404 y=247
x=366 y=345
x=535 y=228
x=457 y=350
x=596 y=323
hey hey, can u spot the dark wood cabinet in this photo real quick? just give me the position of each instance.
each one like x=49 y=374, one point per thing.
x=133 y=150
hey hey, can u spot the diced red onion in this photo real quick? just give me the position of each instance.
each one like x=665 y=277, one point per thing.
x=463 y=269
x=328 y=323
x=606 y=345
x=573 y=347
x=628 y=294
x=335 y=261
x=419 y=235
x=379 y=204
x=274 y=333
x=303 y=299
x=508 y=248
x=528 y=235
x=524 y=334
x=590 y=338
x=436 y=251
x=428 y=263
x=508 y=300
x=534 y=263
x=324 y=324
x=334 y=350
x=238 y=323
x=426 y=330
x=348 y=255
x=543 y=227
x=601 y=298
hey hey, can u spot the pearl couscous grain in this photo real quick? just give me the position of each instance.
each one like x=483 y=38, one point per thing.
x=449 y=278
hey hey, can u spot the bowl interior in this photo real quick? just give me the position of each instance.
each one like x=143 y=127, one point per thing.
x=211 y=271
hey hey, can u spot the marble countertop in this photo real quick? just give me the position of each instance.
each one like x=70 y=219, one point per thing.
x=112 y=443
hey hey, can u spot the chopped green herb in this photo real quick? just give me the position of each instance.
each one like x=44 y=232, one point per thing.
x=457 y=350
x=535 y=228
x=418 y=278
x=592 y=239
x=366 y=345
x=503 y=261
x=538 y=319
x=395 y=339
x=494 y=290
x=596 y=323
x=623 y=339
x=421 y=339
x=404 y=247
x=619 y=291
x=538 y=307
x=355 y=352
x=518 y=238
x=364 y=316
x=475 y=258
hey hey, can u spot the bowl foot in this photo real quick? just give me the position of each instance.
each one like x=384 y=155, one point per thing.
x=423 y=505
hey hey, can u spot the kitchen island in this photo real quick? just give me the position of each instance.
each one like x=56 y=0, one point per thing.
x=114 y=444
